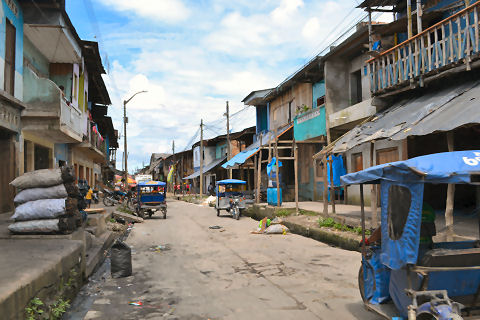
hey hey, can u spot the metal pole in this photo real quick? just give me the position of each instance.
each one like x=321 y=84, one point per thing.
x=419 y=16
x=125 y=120
x=228 y=140
x=450 y=195
x=174 y=167
x=201 y=157
x=362 y=208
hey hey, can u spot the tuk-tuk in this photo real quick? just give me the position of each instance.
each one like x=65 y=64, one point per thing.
x=405 y=274
x=230 y=197
x=151 y=197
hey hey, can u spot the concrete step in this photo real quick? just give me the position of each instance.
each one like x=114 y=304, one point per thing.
x=96 y=254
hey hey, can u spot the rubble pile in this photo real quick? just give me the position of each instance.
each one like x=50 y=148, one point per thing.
x=46 y=202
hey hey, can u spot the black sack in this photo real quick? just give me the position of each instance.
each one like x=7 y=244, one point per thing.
x=121 y=260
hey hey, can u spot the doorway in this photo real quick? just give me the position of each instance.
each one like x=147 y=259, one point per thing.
x=7 y=171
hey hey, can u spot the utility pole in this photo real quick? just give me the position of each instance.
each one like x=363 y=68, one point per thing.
x=228 y=140
x=125 y=121
x=201 y=157
x=174 y=168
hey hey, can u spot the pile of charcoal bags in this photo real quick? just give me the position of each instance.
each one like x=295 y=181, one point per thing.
x=47 y=201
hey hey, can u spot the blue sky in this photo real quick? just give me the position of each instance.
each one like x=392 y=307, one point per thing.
x=192 y=56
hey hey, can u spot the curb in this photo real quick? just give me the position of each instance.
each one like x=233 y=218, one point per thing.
x=319 y=234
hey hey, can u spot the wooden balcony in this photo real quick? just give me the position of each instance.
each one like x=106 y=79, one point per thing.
x=448 y=44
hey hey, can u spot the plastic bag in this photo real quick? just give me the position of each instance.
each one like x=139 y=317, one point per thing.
x=55 y=192
x=121 y=260
x=40 y=209
x=276 y=229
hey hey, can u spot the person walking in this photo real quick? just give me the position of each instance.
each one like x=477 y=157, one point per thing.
x=88 y=196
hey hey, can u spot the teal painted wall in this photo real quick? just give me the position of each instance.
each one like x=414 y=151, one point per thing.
x=318 y=90
x=306 y=190
x=310 y=124
x=218 y=150
x=35 y=57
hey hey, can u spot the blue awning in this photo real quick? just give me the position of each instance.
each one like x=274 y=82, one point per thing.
x=448 y=167
x=240 y=158
x=152 y=183
x=231 y=181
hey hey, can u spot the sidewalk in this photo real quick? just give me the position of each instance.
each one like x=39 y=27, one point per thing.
x=48 y=267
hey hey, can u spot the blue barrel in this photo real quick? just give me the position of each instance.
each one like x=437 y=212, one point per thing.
x=272 y=196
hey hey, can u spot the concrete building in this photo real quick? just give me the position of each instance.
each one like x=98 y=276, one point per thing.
x=11 y=97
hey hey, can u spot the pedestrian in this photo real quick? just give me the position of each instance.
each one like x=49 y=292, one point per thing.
x=211 y=188
x=88 y=196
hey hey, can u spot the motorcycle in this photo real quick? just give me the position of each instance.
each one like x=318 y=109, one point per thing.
x=95 y=197
x=112 y=198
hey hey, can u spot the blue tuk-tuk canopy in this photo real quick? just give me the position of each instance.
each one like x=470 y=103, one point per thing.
x=152 y=184
x=456 y=167
x=230 y=181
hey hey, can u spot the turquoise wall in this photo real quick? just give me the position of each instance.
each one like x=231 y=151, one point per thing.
x=35 y=57
x=218 y=150
x=318 y=90
x=306 y=190
x=310 y=124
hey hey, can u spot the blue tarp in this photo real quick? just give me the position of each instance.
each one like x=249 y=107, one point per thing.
x=240 y=158
x=272 y=164
x=230 y=181
x=398 y=253
x=152 y=184
x=447 y=167
x=338 y=170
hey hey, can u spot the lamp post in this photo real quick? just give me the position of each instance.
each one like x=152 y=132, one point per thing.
x=125 y=120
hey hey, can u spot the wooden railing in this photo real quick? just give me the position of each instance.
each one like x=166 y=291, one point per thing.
x=441 y=46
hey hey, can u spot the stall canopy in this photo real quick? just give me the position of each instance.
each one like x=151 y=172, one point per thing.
x=152 y=183
x=252 y=149
x=231 y=181
x=206 y=168
x=448 y=167
x=434 y=111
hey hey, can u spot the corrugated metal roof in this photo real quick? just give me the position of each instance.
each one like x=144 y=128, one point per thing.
x=206 y=168
x=441 y=110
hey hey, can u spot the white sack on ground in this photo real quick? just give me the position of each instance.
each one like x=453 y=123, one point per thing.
x=40 y=209
x=35 y=226
x=55 y=192
x=276 y=229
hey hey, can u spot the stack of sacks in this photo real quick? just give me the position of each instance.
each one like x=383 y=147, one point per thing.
x=46 y=202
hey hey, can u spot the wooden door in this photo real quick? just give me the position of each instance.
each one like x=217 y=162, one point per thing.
x=7 y=174
x=385 y=156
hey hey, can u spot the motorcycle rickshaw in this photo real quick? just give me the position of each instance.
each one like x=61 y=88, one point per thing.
x=230 y=197
x=402 y=276
x=151 y=197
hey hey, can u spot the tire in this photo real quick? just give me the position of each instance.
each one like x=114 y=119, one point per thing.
x=141 y=214
x=107 y=201
x=361 y=284
x=218 y=212
x=165 y=215
x=236 y=213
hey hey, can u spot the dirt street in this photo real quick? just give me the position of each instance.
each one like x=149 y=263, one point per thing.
x=229 y=273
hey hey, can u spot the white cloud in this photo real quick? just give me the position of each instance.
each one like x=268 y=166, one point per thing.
x=311 y=28
x=171 y=11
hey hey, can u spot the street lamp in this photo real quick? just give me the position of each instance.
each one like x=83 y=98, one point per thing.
x=125 y=120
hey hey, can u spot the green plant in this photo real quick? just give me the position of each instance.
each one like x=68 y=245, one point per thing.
x=326 y=222
x=112 y=220
x=58 y=308
x=330 y=223
x=308 y=213
x=283 y=213
x=125 y=209
x=34 y=309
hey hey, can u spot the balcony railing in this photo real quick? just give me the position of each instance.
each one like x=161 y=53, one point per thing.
x=442 y=46
x=95 y=139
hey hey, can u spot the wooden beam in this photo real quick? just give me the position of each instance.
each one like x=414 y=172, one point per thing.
x=286 y=158
x=295 y=165
x=332 y=186
x=314 y=179
x=277 y=172
x=450 y=195
x=259 y=172
x=325 y=186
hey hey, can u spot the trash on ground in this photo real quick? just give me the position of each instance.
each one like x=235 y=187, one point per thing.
x=210 y=199
x=267 y=226
x=160 y=248
x=138 y=303
x=215 y=227
x=121 y=260
x=277 y=220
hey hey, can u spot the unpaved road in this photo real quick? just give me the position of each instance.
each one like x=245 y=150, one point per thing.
x=229 y=274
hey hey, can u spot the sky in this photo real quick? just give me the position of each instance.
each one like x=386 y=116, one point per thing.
x=193 y=56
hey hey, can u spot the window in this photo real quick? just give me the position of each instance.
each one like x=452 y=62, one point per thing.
x=290 y=111
x=399 y=200
x=75 y=86
x=357 y=162
x=9 y=72
x=320 y=101
x=355 y=87
x=41 y=157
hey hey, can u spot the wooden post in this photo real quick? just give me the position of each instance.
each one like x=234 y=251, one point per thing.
x=450 y=196
x=228 y=141
x=332 y=186
x=325 y=186
x=295 y=164
x=259 y=171
x=314 y=178
x=277 y=173
x=373 y=190
x=409 y=19
x=255 y=161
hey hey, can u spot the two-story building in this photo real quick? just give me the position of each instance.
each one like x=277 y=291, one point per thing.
x=11 y=97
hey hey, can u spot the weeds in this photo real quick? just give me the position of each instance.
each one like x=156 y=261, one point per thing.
x=283 y=213
x=330 y=223
x=125 y=209
x=34 y=309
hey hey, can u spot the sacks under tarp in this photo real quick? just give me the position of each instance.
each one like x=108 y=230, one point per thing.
x=44 y=178
x=55 y=192
x=64 y=225
x=45 y=209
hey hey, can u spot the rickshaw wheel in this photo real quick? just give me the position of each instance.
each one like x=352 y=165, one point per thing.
x=361 y=284
x=141 y=214
x=165 y=215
